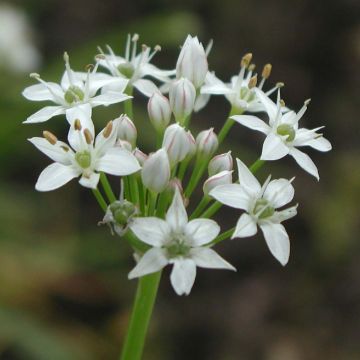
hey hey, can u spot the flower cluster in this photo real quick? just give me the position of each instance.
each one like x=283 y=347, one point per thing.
x=156 y=187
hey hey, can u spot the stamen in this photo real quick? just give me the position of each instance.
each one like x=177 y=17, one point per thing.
x=50 y=137
x=37 y=77
x=157 y=48
x=89 y=67
x=245 y=61
x=266 y=71
x=134 y=39
x=108 y=129
x=282 y=103
x=253 y=82
x=68 y=69
x=252 y=67
x=209 y=47
x=65 y=148
x=88 y=136
x=77 y=124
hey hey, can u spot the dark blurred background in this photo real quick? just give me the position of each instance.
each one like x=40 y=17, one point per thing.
x=64 y=293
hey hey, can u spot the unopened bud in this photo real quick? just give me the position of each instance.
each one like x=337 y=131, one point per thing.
x=50 y=137
x=155 y=173
x=266 y=71
x=140 y=156
x=174 y=184
x=159 y=111
x=220 y=163
x=177 y=143
x=88 y=136
x=246 y=59
x=182 y=98
x=126 y=129
x=206 y=143
x=222 y=178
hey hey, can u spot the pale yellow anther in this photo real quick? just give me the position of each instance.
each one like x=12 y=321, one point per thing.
x=77 y=125
x=144 y=47
x=157 y=48
x=135 y=37
x=89 y=67
x=307 y=102
x=280 y=84
x=100 y=57
x=253 y=82
x=266 y=71
x=65 y=148
x=282 y=102
x=66 y=57
x=34 y=75
x=88 y=136
x=245 y=61
x=50 y=137
x=252 y=67
x=108 y=129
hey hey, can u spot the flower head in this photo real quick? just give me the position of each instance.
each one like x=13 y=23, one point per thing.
x=179 y=242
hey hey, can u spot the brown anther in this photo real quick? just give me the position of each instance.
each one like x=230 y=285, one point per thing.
x=282 y=102
x=245 y=61
x=108 y=129
x=252 y=67
x=77 y=124
x=50 y=137
x=88 y=136
x=89 y=67
x=266 y=71
x=253 y=82
x=65 y=148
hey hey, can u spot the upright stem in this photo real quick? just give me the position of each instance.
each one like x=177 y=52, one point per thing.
x=128 y=104
x=228 y=125
x=140 y=317
x=107 y=188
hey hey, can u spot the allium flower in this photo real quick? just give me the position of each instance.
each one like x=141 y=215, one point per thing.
x=76 y=88
x=283 y=135
x=241 y=91
x=260 y=204
x=179 y=242
x=135 y=67
x=85 y=158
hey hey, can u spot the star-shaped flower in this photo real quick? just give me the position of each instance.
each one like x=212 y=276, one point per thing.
x=260 y=204
x=179 y=242
x=85 y=157
x=75 y=89
x=283 y=135
x=135 y=67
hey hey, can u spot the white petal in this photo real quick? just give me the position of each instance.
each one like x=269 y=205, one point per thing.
x=109 y=98
x=320 y=144
x=252 y=122
x=91 y=181
x=40 y=92
x=54 y=152
x=146 y=87
x=55 y=176
x=83 y=113
x=201 y=231
x=218 y=88
x=232 y=195
x=305 y=162
x=201 y=101
x=45 y=114
x=183 y=276
x=280 y=216
x=269 y=105
x=273 y=148
x=277 y=240
x=209 y=259
x=176 y=216
x=118 y=161
x=152 y=261
x=279 y=192
x=103 y=81
x=151 y=230
x=247 y=179
x=246 y=226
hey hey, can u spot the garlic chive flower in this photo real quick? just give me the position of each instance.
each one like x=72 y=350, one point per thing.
x=135 y=66
x=179 y=242
x=283 y=135
x=261 y=204
x=75 y=89
x=84 y=157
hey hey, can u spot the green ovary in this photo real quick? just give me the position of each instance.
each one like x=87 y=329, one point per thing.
x=286 y=130
x=262 y=209
x=126 y=69
x=83 y=159
x=178 y=247
x=73 y=94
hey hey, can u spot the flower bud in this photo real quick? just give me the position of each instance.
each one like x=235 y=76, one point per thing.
x=220 y=163
x=124 y=144
x=182 y=96
x=192 y=143
x=159 y=111
x=155 y=173
x=177 y=143
x=206 y=143
x=192 y=62
x=222 y=178
x=174 y=184
x=126 y=129
x=140 y=156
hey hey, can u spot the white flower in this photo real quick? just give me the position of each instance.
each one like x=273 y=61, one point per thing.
x=135 y=67
x=126 y=129
x=85 y=158
x=206 y=143
x=240 y=92
x=75 y=89
x=192 y=62
x=182 y=95
x=179 y=242
x=159 y=111
x=260 y=204
x=220 y=178
x=220 y=163
x=283 y=135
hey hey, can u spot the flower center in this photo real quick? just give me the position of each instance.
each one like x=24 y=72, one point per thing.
x=83 y=158
x=126 y=69
x=247 y=94
x=74 y=93
x=178 y=246
x=262 y=209
x=122 y=211
x=286 y=130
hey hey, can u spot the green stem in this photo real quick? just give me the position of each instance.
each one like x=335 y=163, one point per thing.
x=128 y=104
x=182 y=169
x=201 y=206
x=256 y=165
x=142 y=196
x=107 y=188
x=228 y=125
x=199 y=168
x=140 y=318
x=100 y=199
x=225 y=235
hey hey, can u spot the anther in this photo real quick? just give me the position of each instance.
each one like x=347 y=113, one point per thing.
x=100 y=57
x=252 y=67
x=157 y=48
x=89 y=67
x=50 y=137
x=77 y=124
x=88 y=136
x=66 y=57
x=307 y=102
x=282 y=103
x=280 y=84
x=266 y=71
x=253 y=82
x=144 y=47
x=135 y=37
x=35 y=75
x=65 y=148
x=108 y=129
x=245 y=61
